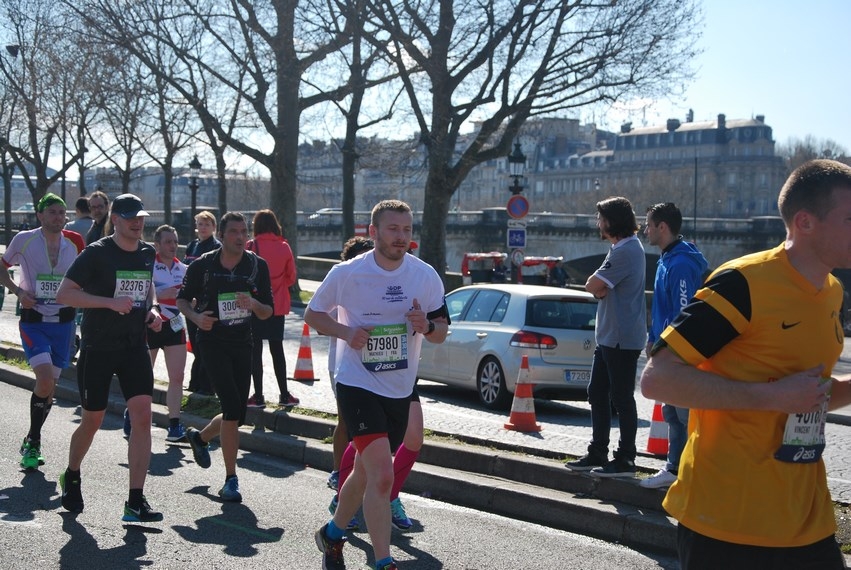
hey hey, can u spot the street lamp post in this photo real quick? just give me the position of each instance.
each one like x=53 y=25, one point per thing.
x=516 y=167
x=194 y=171
x=694 y=207
x=517 y=208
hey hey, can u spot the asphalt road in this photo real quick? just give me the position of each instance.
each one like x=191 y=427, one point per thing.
x=284 y=503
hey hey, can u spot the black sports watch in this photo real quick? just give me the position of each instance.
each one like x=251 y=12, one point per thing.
x=430 y=327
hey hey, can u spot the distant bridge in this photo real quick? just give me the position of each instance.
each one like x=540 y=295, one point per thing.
x=574 y=237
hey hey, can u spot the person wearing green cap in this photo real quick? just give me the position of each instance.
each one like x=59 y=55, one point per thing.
x=47 y=327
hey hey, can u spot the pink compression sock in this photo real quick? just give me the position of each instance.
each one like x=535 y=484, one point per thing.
x=403 y=462
x=347 y=463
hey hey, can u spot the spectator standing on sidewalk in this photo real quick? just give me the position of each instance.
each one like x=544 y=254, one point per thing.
x=99 y=208
x=168 y=280
x=387 y=302
x=621 y=335
x=47 y=327
x=111 y=281
x=752 y=357
x=269 y=243
x=679 y=274
x=205 y=227
x=229 y=285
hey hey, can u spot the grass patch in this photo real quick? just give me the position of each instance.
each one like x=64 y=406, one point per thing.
x=314 y=414
x=16 y=362
x=206 y=407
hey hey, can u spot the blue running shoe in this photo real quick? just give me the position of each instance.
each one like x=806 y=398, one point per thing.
x=127 y=425
x=176 y=433
x=353 y=525
x=230 y=491
x=200 y=450
x=399 y=517
x=334 y=480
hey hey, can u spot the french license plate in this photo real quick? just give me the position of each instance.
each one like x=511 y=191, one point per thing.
x=577 y=376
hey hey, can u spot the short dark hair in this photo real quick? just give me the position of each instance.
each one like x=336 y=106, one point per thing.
x=355 y=246
x=163 y=229
x=230 y=217
x=810 y=187
x=266 y=222
x=666 y=212
x=388 y=205
x=620 y=218
x=82 y=205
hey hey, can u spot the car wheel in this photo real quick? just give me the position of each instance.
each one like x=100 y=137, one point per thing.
x=493 y=392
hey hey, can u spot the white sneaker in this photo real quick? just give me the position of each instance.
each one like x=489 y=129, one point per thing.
x=663 y=478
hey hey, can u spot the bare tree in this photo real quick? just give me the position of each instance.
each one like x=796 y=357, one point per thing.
x=177 y=125
x=499 y=63
x=798 y=151
x=40 y=53
x=126 y=104
x=238 y=58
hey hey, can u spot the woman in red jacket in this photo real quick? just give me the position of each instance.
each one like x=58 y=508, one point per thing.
x=269 y=244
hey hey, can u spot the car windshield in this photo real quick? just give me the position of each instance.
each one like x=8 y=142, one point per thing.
x=561 y=313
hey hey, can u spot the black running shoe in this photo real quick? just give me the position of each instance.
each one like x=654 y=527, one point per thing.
x=72 y=496
x=144 y=513
x=332 y=550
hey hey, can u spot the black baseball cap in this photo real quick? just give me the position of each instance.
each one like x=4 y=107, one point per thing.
x=128 y=206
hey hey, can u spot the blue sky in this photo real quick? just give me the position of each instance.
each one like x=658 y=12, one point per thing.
x=785 y=59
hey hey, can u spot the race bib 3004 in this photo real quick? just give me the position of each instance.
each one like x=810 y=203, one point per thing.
x=386 y=349
x=229 y=311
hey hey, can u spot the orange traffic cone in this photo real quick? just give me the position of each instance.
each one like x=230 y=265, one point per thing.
x=522 y=416
x=657 y=442
x=304 y=365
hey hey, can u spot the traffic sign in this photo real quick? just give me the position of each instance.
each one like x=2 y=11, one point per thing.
x=517 y=257
x=517 y=224
x=516 y=238
x=517 y=207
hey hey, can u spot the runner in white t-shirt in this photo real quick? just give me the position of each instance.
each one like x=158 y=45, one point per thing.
x=47 y=327
x=387 y=302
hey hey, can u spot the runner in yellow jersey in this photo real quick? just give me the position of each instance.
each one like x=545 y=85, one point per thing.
x=752 y=356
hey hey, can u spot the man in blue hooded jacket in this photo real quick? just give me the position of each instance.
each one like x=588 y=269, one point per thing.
x=679 y=274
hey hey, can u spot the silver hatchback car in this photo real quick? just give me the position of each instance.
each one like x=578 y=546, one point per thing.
x=493 y=326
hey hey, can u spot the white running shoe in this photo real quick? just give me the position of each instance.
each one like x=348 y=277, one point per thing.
x=660 y=480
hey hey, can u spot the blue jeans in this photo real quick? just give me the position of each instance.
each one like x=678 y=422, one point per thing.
x=613 y=384
x=677 y=420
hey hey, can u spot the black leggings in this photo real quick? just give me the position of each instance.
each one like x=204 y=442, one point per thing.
x=279 y=362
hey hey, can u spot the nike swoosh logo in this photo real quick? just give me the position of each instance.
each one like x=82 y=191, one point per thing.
x=784 y=326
